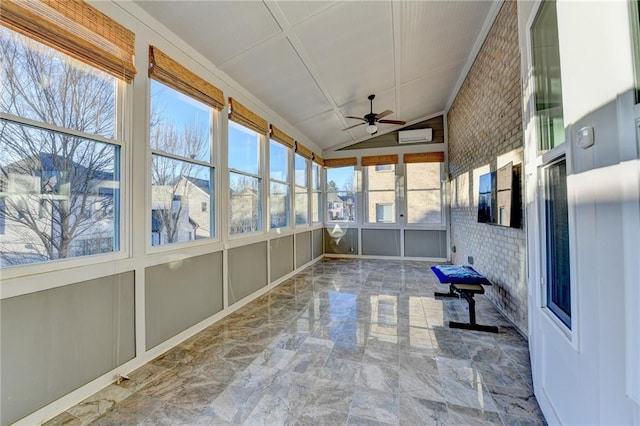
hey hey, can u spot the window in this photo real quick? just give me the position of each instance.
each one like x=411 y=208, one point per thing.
x=316 y=194
x=341 y=194
x=547 y=77
x=558 y=277
x=380 y=195
x=384 y=168
x=245 y=181
x=424 y=193
x=60 y=154
x=302 y=190
x=385 y=213
x=182 y=170
x=280 y=189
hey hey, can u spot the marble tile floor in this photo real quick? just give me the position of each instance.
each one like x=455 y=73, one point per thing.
x=357 y=342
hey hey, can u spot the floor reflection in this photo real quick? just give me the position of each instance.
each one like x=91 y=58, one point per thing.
x=342 y=342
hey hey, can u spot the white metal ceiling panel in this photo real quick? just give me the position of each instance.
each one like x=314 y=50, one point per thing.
x=296 y=11
x=315 y=62
x=219 y=30
x=351 y=45
x=274 y=73
x=325 y=130
x=435 y=34
x=427 y=95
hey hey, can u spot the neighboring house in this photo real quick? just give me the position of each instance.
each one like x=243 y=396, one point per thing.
x=184 y=210
x=340 y=207
x=48 y=198
x=200 y=207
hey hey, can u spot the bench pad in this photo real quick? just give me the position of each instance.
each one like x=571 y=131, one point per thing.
x=459 y=274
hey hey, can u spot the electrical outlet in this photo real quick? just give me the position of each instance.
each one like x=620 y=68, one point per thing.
x=470 y=260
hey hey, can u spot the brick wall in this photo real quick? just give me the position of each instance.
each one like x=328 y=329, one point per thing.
x=485 y=132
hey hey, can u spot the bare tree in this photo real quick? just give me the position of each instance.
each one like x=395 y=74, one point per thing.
x=245 y=204
x=172 y=179
x=57 y=187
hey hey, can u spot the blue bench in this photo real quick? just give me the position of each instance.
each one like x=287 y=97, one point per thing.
x=466 y=282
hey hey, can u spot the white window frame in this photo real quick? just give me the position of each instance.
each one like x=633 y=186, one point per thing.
x=539 y=160
x=314 y=193
x=263 y=215
x=372 y=221
x=289 y=152
x=212 y=165
x=306 y=187
x=442 y=225
x=121 y=140
x=356 y=194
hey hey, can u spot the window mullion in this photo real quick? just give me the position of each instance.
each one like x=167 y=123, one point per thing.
x=180 y=158
x=52 y=127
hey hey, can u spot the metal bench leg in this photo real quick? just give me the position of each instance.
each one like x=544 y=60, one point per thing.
x=472 y=325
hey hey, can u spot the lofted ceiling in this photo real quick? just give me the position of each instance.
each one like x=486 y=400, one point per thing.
x=315 y=62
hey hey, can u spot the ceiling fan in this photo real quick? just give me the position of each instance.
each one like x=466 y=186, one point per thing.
x=372 y=118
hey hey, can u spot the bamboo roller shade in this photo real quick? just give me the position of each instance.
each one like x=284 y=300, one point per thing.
x=424 y=157
x=303 y=150
x=243 y=115
x=168 y=71
x=282 y=137
x=316 y=158
x=77 y=29
x=340 y=162
x=378 y=160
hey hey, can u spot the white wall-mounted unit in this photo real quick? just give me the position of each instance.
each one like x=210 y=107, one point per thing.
x=415 y=136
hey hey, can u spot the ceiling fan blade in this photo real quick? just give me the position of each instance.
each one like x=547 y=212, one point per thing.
x=400 y=122
x=355 y=125
x=355 y=118
x=384 y=114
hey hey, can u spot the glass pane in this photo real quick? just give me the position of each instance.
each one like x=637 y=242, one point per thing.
x=302 y=206
x=301 y=170
x=315 y=177
x=423 y=175
x=341 y=206
x=381 y=179
x=60 y=195
x=278 y=161
x=244 y=149
x=179 y=190
x=179 y=124
x=279 y=205
x=316 y=202
x=41 y=84
x=557 y=242
x=340 y=179
x=244 y=207
x=424 y=207
x=547 y=77
x=379 y=198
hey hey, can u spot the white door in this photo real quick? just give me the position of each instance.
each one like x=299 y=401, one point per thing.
x=582 y=223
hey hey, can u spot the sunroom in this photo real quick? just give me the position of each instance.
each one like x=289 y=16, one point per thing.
x=217 y=212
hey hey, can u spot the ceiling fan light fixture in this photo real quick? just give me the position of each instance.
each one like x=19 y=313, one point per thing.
x=371 y=129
